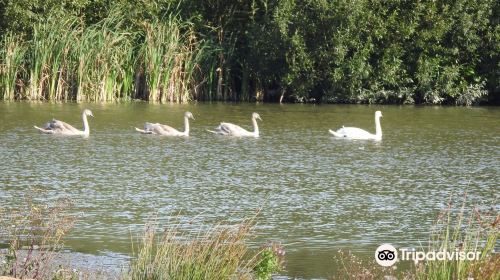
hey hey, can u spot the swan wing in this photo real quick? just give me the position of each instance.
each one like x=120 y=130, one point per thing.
x=160 y=129
x=149 y=126
x=337 y=133
x=232 y=129
x=60 y=126
x=353 y=133
x=167 y=129
x=152 y=128
x=221 y=130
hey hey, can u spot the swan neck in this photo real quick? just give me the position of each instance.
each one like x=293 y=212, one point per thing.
x=378 y=128
x=255 y=127
x=86 y=129
x=186 y=126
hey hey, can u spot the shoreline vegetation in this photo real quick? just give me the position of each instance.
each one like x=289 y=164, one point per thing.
x=392 y=52
x=33 y=234
x=31 y=241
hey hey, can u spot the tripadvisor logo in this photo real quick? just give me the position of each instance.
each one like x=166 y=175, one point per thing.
x=387 y=255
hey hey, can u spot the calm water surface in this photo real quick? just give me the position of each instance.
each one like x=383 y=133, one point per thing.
x=318 y=194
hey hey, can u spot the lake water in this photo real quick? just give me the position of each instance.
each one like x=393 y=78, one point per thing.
x=317 y=194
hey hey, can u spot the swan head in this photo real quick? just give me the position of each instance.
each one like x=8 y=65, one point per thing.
x=378 y=114
x=189 y=115
x=256 y=116
x=87 y=112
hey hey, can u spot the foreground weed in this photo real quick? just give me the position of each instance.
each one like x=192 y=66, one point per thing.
x=33 y=234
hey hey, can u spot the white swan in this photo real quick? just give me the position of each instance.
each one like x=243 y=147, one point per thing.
x=230 y=129
x=62 y=128
x=165 y=130
x=358 y=133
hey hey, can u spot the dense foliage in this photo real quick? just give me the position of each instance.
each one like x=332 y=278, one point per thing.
x=356 y=51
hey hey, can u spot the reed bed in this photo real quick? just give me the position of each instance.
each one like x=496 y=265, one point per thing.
x=465 y=230
x=161 y=60
x=172 y=56
x=48 y=59
x=105 y=59
x=12 y=55
x=220 y=252
x=163 y=56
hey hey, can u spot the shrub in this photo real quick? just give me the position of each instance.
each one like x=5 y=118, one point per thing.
x=34 y=235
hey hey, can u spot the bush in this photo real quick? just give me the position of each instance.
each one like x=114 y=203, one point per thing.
x=34 y=235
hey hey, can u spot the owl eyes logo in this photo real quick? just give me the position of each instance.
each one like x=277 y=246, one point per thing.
x=386 y=255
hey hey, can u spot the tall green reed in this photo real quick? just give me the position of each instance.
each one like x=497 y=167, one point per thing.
x=105 y=56
x=171 y=54
x=106 y=61
x=48 y=59
x=11 y=65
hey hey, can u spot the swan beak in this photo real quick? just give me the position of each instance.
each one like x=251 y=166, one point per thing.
x=193 y=118
x=91 y=115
